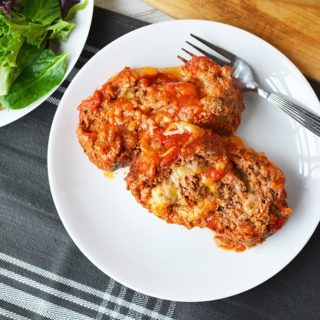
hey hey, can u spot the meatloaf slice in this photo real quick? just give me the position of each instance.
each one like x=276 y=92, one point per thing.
x=111 y=120
x=193 y=177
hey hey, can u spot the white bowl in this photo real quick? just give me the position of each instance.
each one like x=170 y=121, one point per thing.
x=73 y=46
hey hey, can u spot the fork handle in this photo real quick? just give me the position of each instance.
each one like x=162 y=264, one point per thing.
x=308 y=119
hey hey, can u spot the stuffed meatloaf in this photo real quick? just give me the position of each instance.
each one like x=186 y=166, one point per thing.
x=193 y=177
x=111 y=120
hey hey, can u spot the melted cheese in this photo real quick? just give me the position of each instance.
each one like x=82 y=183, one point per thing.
x=109 y=174
x=175 y=72
x=209 y=184
x=144 y=71
x=202 y=209
x=251 y=205
x=179 y=173
x=182 y=127
x=168 y=192
x=162 y=196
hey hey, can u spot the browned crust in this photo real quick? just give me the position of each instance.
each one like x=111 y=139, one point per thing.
x=111 y=120
x=249 y=203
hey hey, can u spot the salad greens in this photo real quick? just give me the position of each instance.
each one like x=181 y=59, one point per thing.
x=27 y=69
x=40 y=11
x=46 y=72
x=72 y=11
x=68 y=5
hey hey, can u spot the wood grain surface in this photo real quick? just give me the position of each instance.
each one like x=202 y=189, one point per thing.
x=292 y=26
x=136 y=9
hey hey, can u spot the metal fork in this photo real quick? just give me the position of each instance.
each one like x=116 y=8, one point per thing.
x=243 y=74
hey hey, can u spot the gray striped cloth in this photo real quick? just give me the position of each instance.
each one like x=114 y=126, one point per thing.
x=44 y=276
x=42 y=273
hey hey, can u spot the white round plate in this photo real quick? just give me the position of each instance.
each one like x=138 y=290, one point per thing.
x=143 y=252
x=73 y=46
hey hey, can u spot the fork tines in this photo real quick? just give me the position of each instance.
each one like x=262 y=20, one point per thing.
x=224 y=53
x=182 y=59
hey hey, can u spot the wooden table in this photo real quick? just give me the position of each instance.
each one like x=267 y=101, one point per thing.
x=292 y=26
x=134 y=8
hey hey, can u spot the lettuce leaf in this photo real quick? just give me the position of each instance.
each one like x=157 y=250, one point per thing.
x=26 y=56
x=43 y=12
x=73 y=10
x=60 y=30
x=9 y=49
x=4 y=28
x=36 y=80
x=7 y=76
x=66 y=5
x=27 y=71
x=7 y=6
x=10 y=44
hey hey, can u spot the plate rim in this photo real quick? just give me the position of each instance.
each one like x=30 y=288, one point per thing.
x=50 y=159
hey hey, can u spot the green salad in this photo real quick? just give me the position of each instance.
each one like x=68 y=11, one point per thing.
x=28 y=67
